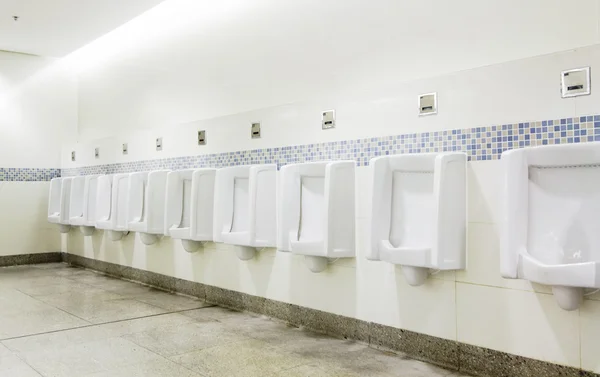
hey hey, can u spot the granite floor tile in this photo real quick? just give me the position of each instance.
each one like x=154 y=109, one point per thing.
x=89 y=295
x=265 y=329
x=4 y=351
x=64 y=321
x=65 y=338
x=111 y=310
x=216 y=313
x=170 y=301
x=154 y=368
x=50 y=266
x=53 y=289
x=249 y=358
x=12 y=366
x=318 y=371
x=78 y=360
x=185 y=338
x=36 y=322
x=14 y=302
x=122 y=287
x=24 y=280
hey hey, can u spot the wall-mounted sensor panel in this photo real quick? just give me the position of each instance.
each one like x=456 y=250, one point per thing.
x=125 y=148
x=328 y=119
x=255 y=131
x=428 y=104
x=159 y=144
x=73 y=156
x=97 y=153
x=202 y=137
x=575 y=82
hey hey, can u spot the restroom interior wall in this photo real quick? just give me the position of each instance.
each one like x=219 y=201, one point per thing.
x=186 y=60
x=38 y=113
x=474 y=306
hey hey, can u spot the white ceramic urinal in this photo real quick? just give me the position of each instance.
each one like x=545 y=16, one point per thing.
x=317 y=211
x=82 y=208
x=245 y=208
x=189 y=207
x=418 y=217
x=58 y=203
x=146 y=214
x=551 y=229
x=111 y=205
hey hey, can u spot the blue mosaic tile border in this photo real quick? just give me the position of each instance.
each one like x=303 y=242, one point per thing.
x=480 y=143
x=28 y=174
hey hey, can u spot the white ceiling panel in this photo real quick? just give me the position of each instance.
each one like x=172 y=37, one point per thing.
x=58 y=27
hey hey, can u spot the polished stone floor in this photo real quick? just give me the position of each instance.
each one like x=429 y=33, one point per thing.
x=60 y=321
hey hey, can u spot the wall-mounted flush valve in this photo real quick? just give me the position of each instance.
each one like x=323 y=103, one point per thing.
x=328 y=119
x=575 y=82
x=428 y=104
x=255 y=130
x=202 y=137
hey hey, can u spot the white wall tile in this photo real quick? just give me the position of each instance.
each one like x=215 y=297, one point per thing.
x=484 y=190
x=23 y=223
x=483 y=261
x=387 y=298
x=522 y=323
x=475 y=306
x=590 y=341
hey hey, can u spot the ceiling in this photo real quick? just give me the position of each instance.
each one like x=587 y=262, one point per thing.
x=57 y=27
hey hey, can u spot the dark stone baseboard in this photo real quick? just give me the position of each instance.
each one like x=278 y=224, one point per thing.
x=450 y=354
x=22 y=259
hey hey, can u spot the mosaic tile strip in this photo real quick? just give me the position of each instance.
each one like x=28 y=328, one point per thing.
x=480 y=143
x=28 y=174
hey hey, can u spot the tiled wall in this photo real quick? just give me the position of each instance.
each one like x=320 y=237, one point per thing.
x=38 y=112
x=474 y=306
x=28 y=174
x=480 y=143
x=482 y=112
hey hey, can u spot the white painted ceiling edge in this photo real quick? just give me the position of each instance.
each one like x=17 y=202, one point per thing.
x=56 y=28
x=187 y=60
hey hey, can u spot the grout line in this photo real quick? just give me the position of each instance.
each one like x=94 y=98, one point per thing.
x=507 y=288
x=17 y=354
x=100 y=324
x=45 y=332
x=55 y=307
x=579 y=337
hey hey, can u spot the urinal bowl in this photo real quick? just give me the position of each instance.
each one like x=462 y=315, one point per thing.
x=183 y=234
x=550 y=221
x=568 y=281
x=418 y=213
x=191 y=246
x=316 y=264
x=245 y=252
x=412 y=261
x=415 y=276
x=87 y=230
x=568 y=298
x=116 y=235
x=149 y=238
